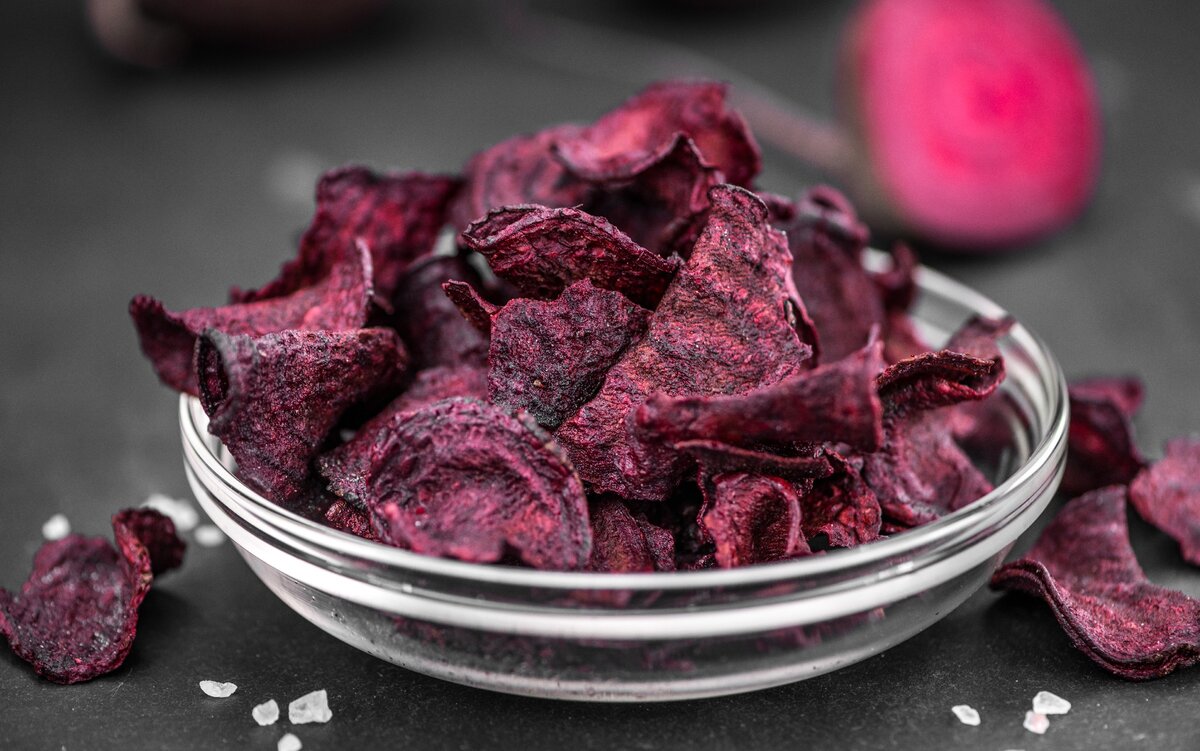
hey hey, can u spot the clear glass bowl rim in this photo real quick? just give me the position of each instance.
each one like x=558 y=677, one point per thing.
x=279 y=523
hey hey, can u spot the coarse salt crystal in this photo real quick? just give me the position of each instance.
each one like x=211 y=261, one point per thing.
x=1035 y=722
x=289 y=742
x=266 y=713
x=209 y=536
x=965 y=714
x=1048 y=703
x=218 y=690
x=56 y=527
x=313 y=707
x=177 y=510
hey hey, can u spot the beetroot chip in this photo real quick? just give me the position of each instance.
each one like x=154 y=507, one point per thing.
x=716 y=458
x=465 y=480
x=752 y=519
x=644 y=128
x=344 y=517
x=542 y=251
x=340 y=300
x=834 y=403
x=76 y=616
x=397 y=216
x=1084 y=568
x=433 y=329
x=274 y=400
x=549 y=358
x=842 y=506
x=725 y=325
x=1100 y=445
x=623 y=544
x=1167 y=494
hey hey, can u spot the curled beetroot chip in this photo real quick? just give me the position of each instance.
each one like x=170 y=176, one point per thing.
x=1100 y=445
x=549 y=358
x=433 y=329
x=76 y=616
x=273 y=400
x=624 y=544
x=752 y=519
x=716 y=458
x=725 y=325
x=542 y=251
x=644 y=128
x=842 y=506
x=1084 y=568
x=1167 y=494
x=342 y=516
x=398 y=216
x=833 y=403
x=340 y=300
x=465 y=480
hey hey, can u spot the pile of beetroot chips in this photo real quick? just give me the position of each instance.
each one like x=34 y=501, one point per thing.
x=626 y=360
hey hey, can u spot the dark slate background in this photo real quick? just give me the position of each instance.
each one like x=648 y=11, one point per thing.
x=114 y=182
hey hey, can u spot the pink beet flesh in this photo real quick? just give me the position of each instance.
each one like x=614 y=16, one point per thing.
x=978 y=117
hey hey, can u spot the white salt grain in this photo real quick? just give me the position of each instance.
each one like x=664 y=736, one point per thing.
x=266 y=713
x=965 y=714
x=56 y=527
x=1035 y=722
x=218 y=690
x=289 y=742
x=1048 y=703
x=312 y=707
x=179 y=511
x=209 y=536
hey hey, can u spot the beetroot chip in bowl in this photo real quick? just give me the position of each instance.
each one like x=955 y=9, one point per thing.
x=752 y=519
x=76 y=616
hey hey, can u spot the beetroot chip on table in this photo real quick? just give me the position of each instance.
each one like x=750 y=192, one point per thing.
x=398 y=216
x=1100 y=443
x=339 y=300
x=752 y=519
x=1167 y=494
x=542 y=251
x=273 y=400
x=76 y=616
x=622 y=543
x=1084 y=568
x=465 y=480
x=726 y=324
x=433 y=329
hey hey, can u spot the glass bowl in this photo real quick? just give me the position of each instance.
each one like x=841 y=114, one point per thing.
x=658 y=636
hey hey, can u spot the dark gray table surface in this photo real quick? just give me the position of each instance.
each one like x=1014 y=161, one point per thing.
x=114 y=182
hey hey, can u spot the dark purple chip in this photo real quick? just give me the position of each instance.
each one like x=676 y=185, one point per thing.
x=463 y=479
x=433 y=329
x=478 y=311
x=620 y=543
x=76 y=616
x=397 y=216
x=273 y=400
x=1084 y=568
x=716 y=458
x=343 y=516
x=842 y=506
x=1101 y=449
x=542 y=251
x=1167 y=494
x=726 y=325
x=338 y=301
x=752 y=519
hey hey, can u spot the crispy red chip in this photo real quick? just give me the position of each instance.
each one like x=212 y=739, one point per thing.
x=465 y=480
x=273 y=400
x=724 y=326
x=752 y=519
x=76 y=616
x=549 y=358
x=343 y=516
x=833 y=403
x=716 y=458
x=1101 y=449
x=1084 y=567
x=542 y=251
x=841 y=506
x=644 y=128
x=433 y=329
x=398 y=216
x=1167 y=494
x=340 y=300
x=622 y=543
